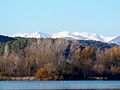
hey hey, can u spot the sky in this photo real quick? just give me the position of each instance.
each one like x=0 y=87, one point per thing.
x=50 y=16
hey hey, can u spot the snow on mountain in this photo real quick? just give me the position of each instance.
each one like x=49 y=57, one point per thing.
x=32 y=35
x=20 y=35
x=62 y=34
x=89 y=36
x=106 y=38
x=39 y=35
x=69 y=35
x=115 y=40
x=82 y=36
x=65 y=34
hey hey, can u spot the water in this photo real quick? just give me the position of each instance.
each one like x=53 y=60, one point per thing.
x=20 y=85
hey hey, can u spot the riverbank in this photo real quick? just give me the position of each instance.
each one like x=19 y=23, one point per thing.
x=17 y=78
x=33 y=78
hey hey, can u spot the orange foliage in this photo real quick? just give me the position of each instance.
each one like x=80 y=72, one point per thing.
x=44 y=74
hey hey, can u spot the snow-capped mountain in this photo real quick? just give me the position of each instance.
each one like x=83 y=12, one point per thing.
x=115 y=40
x=65 y=34
x=32 y=35
x=69 y=35
x=89 y=36
x=93 y=36
x=82 y=36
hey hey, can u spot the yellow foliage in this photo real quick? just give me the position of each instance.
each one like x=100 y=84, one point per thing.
x=78 y=52
x=44 y=74
x=115 y=51
x=2 y=74
x=86 y=53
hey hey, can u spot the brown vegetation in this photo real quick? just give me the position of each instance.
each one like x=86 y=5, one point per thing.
x=55 y=60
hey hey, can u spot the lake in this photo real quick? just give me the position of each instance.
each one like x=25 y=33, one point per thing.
x=20 y=85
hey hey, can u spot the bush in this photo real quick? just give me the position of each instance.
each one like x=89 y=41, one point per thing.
x=2 y=74
x=44 y=74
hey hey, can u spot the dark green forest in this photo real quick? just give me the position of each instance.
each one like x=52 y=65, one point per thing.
x=59 y=59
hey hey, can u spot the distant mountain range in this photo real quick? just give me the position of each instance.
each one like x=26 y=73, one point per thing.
x=116 y=40
x=69 y=35
x=32 y=35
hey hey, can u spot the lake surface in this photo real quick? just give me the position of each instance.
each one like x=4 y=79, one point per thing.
x=23 y=85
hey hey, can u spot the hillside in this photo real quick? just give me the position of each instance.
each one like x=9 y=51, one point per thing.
x=20 y=44
x=6 y=38
x=59 y=59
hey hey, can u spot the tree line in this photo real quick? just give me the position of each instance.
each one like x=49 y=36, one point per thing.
x=59 y=59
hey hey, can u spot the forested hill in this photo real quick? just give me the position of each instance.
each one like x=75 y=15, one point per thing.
x=59 y=59
x=20 y=44
x=6 y=38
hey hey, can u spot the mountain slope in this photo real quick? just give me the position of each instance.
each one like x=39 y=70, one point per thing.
x=19 y=45
x=115 y=40
x=69 y=35
x=65 y=34
x=6 y=38
x=82 y=36
x=89 y=36
x=32 y=35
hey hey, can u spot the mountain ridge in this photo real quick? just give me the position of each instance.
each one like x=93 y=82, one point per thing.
x=71 y=35
x=6 y=38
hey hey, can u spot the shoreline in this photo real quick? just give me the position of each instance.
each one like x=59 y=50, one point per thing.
x=17 y=78
x=32 y=78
